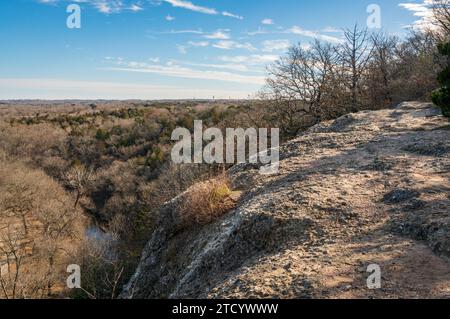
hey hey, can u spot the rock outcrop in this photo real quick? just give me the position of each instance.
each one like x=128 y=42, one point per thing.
x=368 y=188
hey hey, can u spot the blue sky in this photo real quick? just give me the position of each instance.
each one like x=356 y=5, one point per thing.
x=164 y=49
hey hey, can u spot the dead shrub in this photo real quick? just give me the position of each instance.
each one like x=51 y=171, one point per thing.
x=207 y=201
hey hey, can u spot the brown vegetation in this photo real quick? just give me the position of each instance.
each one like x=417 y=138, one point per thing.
x=39 y=232
x=207 y=201
x=110 y=163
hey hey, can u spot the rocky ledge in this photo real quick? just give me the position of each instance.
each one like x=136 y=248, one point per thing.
x=368 y=188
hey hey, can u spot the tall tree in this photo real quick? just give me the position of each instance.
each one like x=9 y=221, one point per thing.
x=354 y=55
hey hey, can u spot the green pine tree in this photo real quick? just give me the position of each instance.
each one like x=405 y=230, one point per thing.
x=441 y=97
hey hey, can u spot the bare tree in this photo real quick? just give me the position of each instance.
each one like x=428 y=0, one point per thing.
x=103 y=268
x=381 y=69
x=303 y=74
x=79 y=178
x=12 y=249
x=20 y=202
x=354 y=55
x=441 y=17
x=300 y=85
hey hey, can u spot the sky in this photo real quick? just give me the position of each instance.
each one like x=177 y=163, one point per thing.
x=169 y=49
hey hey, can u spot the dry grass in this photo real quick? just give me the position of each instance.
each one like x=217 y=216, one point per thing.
x=207 y=201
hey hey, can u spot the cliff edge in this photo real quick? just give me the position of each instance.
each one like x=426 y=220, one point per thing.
x=368 y=188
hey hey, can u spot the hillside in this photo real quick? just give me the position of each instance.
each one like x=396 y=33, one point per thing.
x=368 y=188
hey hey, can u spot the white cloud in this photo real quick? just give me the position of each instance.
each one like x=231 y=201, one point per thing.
x=183 y=48
x=116 y=6
x=254 y=59
x=218 y=35
x=198 y=43
x=188 y=73
x=103 y=7
x=174 y=68
x=267 y=22
x=275 y=45
x=423 y=11
x=190 y=6
x=300 y=31
x=185 y=32
x=416 y=7
x=116 y=59
x=231 y=15
x=257 y=32
x=312 y=34
x=229 y=45
x=107 y=7
x=48 y=1
x=331 y=30
x=226 y=66
x=135 y=8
